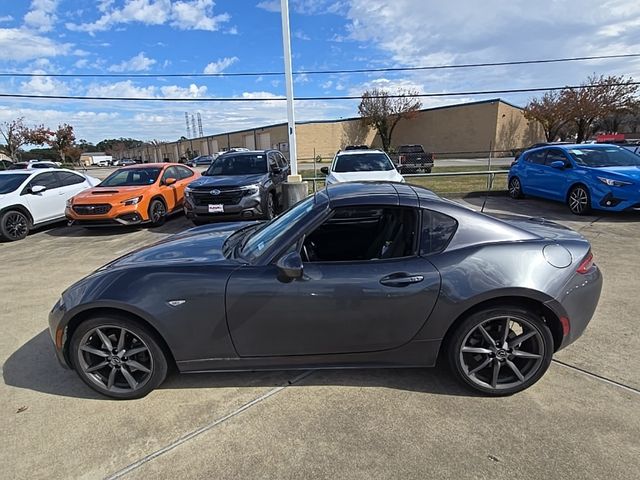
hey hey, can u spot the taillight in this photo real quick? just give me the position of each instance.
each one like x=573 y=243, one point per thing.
x=586 y=264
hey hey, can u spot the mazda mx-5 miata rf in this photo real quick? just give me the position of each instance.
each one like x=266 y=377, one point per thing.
x=357 y=275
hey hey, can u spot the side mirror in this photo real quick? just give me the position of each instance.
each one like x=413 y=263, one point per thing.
x=559 y=164
x=38 y=189
x=170 y=181
x=325 y=170
x=290 y=267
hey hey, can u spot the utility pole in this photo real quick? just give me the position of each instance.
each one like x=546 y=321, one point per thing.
x=294 y=188
x=186 y=118
x=200 y=125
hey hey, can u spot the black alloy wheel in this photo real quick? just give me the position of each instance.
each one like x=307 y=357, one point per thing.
x=515 y=188
x=117 y=357
x=14 y=225
x=271 y=207
x=579 y=200
x=157 y=212
x=501 y=351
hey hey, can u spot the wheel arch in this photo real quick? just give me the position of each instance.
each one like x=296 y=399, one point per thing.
x=22 y=209
x=575 y=184
x=549 y=316
x=158 y=196
x=89 y=313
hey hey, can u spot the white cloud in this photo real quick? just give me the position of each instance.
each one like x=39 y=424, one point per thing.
x=120 y=89
x=183 y=15
x=301 y=78
x=6 y=18
x=138 y=63
x=18 y=44
x=82 y=63
x=192 y=91
x=299 y=34
x=327 y=85
x=44 y=86
x=220 y=65
x=269 y=5
x=306 y=7
x=42 y=15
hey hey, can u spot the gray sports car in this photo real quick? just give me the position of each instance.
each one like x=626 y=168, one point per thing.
x=359 y=274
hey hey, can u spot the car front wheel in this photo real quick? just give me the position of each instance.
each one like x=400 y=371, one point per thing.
x=501 y=351
x=117 y=357
x=157 y=212
x=579 y=200
x=14 y=225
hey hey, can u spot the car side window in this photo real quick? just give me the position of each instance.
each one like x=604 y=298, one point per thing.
x=536 y=157
x=437 y=231
x=363 y=234
x=556 y=156
x=47 y=179
x=170 y=173
x=272 y=161
x=282 y=162
x=68 y=178
x=183 y=172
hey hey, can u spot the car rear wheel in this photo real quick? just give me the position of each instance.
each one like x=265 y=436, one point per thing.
x=157 y=212
x=117 y=357
x=515 y=188
x=14 y=225
x=501 y=351
x=579 y=200
x=271 y=206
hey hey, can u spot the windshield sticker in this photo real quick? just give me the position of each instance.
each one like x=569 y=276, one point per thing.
x=577 y=152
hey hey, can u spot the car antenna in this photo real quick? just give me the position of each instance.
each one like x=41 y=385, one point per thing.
x=490 y=177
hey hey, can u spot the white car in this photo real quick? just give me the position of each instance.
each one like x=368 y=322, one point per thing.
x=361 y=165
x=31 y=198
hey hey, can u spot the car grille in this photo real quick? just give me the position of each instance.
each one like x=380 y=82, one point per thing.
x=227 y=196
x=96 y=209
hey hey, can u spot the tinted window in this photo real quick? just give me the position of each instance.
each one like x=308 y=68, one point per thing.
x=184 y=172
x=68 y=178
x=9 y=183
x=170 y=173
x=365 y=162
x=604 y=157
x=556 y=156
x=272 y=161
x=129 y=177
x=536 y=157
x=48 y=179
x=282 y=162
x=230 y=164
x=411 y=149
x=437 y=231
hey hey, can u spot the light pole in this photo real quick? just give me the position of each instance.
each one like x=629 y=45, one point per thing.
x=295 y=189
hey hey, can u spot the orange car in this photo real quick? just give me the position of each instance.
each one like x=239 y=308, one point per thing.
x=132 y=195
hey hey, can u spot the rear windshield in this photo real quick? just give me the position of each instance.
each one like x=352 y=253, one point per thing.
x=411 y=149
x=243 y=164
x=604 y=157
x=9 y=183
x=365 y=162
x=131 y=177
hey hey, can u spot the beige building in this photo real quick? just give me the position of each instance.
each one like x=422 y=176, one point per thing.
x=464 y=130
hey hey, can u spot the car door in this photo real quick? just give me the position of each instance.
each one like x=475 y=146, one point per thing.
x=71 y=184
x=338 y=307
x=184 y=177
x=171 y=193
x=48 y=204
x=555 y=180
x=534 y=172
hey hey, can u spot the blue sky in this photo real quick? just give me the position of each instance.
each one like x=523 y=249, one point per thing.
x=201 y=36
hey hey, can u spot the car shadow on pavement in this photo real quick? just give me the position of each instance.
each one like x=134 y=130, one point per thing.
x=175 y=224
x=555 y=211
x=34 y=367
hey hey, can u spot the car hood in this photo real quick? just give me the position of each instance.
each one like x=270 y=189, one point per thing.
x=109 y=194
x=227 y=181
x=195 y=246
x=382 y=175
x=632 y=172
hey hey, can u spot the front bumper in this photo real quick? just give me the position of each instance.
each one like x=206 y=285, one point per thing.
x=249 y=207
x=615 y=199
x=117 y=216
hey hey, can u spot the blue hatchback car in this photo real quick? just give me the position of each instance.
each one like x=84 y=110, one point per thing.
x=584 y=176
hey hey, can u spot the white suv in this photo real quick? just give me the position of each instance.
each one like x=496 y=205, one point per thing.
x=31 y=198
x=361 y=165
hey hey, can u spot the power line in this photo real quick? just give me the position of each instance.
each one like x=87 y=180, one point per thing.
x=303 y=99
x=318 y=72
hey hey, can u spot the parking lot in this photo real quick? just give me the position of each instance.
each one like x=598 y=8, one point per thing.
x=581 y=421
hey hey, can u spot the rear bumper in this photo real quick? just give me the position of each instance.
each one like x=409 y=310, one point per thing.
x=578 y=303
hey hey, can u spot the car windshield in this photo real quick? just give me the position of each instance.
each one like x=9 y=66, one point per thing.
x=238 y=165
x=604 y=157
x=363 y=162
x=9 y=183
x=131 y=177
x=262 y=239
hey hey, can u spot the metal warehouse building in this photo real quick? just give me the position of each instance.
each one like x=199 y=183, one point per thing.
x=468 y=129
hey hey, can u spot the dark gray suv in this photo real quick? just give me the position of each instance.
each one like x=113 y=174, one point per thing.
x=238 y=185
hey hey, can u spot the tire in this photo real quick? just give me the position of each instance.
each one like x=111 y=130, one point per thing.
x=111 y=379
x=579 y=200
x=14 y=225
x=157 y=213
x=427 y=170
x=505 y=369
x=270 y=207
x=515 y=188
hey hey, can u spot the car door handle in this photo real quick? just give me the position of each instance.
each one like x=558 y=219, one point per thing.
x=401 y=279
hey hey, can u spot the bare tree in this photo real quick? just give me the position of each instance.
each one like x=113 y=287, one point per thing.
x=597 y=98
x=16 y=135
x=62 y=140
x=549 y=110
x=382 y=111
